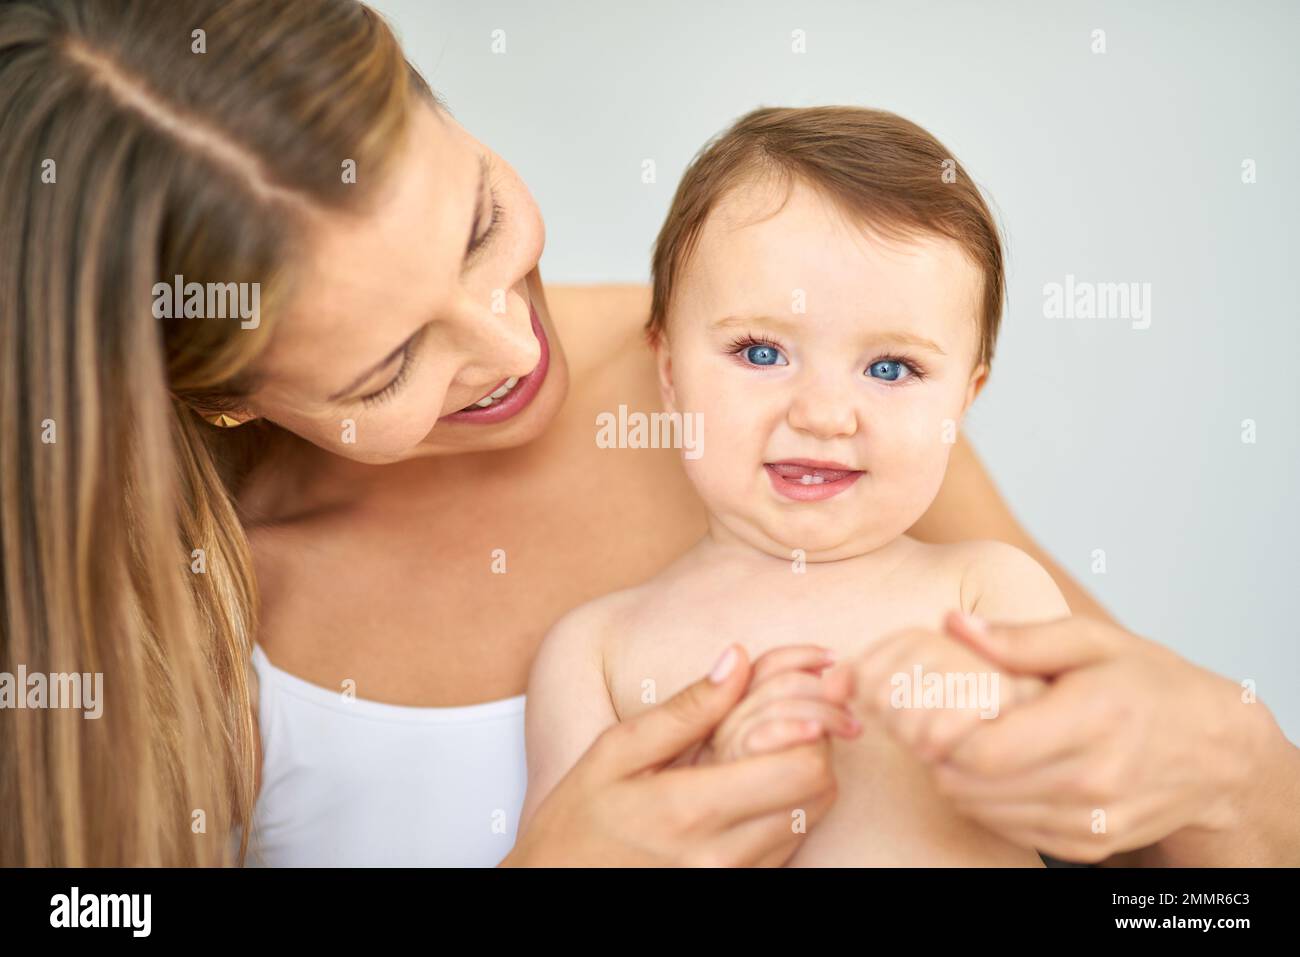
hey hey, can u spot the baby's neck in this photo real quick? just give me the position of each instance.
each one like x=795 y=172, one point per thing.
x=721 y=546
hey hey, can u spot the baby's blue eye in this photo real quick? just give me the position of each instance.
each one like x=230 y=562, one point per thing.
x=891 y=370
x=765 y=356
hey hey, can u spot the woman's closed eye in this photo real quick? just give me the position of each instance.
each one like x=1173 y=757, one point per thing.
x=491 y=210
x=401 y=377
x=479 y=237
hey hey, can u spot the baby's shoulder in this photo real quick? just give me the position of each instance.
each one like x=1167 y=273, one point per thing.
x=980 y=568
x=587 y=629
x=1006 y=583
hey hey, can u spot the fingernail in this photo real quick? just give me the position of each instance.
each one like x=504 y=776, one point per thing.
x=828 y=656
x=724 y=666
x=976 y=624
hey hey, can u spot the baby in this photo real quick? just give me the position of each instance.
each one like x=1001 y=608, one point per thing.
x=827 y=291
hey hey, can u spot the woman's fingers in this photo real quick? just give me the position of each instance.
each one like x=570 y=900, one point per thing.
x=1071 y=832
x=1046 y=648
x=770 y=840
x=1037 y=735
x=1044 y=782
x=655 y=737
x=755 y=786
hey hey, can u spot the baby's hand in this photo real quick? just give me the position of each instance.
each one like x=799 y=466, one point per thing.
x=932 y=717
x=786 y=704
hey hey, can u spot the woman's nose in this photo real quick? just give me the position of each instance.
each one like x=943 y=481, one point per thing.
x=496 y=338
x=823 y=410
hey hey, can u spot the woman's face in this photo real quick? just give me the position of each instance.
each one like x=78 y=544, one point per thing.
x=404 y=320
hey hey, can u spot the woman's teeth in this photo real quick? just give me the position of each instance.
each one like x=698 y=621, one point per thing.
x=493 y=397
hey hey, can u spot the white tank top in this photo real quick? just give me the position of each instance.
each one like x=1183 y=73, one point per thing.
x=361 y=783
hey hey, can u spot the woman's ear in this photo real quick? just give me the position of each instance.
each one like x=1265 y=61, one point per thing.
x=664 y=365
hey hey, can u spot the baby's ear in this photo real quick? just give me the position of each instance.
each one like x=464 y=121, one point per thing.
x=978 y=377
x=664 y=366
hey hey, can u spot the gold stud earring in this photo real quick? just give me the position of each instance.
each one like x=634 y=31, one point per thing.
x=223 y=421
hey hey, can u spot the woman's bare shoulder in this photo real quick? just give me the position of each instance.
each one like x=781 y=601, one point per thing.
x=597 y=321
x=626 y=302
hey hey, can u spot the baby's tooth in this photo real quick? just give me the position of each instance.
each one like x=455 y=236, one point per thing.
x=805 y=480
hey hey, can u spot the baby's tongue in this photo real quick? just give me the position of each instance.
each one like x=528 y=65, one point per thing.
x=796 y=472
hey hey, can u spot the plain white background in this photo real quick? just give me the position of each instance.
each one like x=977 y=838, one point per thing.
x=1122 y=166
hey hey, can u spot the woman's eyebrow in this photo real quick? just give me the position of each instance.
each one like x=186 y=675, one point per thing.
x=361 y=379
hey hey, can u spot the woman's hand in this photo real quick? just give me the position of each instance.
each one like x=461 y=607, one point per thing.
x=786 y=704
x=620 y=805
x=1129 y=746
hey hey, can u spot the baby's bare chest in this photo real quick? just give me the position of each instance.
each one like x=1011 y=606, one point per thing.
x=680 y=634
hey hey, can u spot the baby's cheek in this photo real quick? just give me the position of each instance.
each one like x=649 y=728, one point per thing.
x=914 y=470
x=716 y=478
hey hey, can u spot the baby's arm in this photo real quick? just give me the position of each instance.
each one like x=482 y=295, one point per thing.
x=568 y=702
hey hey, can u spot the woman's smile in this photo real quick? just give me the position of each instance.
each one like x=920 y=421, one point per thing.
x=512 y=395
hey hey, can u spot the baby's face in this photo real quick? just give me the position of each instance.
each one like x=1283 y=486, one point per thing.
x=830 y=368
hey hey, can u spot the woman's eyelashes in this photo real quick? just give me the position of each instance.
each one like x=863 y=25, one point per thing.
x=400 y=379
x=756 y=351
x=479 y=240
x=479 y=236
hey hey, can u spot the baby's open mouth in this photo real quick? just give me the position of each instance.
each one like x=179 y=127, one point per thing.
x=806 y=480
x=806 y=474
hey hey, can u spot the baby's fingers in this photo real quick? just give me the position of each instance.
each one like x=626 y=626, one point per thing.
x=830 y=719
x=810 y=658
x=779 y=734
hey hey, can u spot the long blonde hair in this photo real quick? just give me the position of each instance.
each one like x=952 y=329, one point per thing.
x=142 y=140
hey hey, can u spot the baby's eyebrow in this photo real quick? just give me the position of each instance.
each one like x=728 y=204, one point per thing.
x=909 y=339
x=779 y=322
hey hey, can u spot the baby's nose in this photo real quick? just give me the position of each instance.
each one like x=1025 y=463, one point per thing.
x=823 y=412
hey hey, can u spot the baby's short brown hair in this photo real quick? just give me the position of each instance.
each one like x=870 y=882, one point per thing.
x=883 y=170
